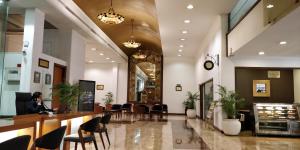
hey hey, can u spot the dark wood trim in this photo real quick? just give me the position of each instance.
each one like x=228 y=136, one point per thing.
x=201 y=97
x=65 y=71
x=282 y=68
x=243 y=17
x=162 y=79
x=128 y=79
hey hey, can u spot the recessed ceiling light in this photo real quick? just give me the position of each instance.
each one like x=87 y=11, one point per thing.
x=261 y=53
x=93 y=49
x=190 y=6
x=181 y=46
x=101 y=54
x=270 y=6
x=184 y=32
x=187 y=21
x=179 y=55
x=91 y=61
x=107 y=58
x=283 y=43
x=182 y=39
x=180 y=50
x=113 y=61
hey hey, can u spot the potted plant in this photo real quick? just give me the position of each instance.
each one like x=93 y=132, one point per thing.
x=189 y=104
x=108 y=100
x=231 y=102
x=68 y=96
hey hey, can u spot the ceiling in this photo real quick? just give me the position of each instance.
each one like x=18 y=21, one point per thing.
x=143 y=12
x=287 y=29
x=171 y=16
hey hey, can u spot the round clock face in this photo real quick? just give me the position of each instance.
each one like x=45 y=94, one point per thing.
x=208 y=65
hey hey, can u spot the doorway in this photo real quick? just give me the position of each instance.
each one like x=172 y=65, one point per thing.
x=59 y=76
x=206 y=97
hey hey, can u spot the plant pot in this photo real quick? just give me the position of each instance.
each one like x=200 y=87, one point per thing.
x=63 y=109
x=191 y=113
x=231 y=126
x=108 y=106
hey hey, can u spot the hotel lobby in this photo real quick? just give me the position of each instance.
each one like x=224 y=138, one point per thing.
x=149 y=74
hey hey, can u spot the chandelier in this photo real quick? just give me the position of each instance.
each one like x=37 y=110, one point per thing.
x=131 y=43
x=139 y=55
x=110 y=17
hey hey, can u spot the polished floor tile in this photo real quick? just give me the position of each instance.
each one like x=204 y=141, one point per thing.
x=191 y=134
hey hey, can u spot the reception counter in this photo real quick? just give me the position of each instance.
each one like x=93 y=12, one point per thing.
x=37 y=125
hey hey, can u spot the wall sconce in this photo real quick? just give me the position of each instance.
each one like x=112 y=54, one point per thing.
x=178 y=87
x=210 y=61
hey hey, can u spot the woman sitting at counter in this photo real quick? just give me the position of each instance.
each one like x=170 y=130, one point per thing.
x=36 y=105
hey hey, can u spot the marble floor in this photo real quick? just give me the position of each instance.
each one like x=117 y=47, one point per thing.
x=178 y=133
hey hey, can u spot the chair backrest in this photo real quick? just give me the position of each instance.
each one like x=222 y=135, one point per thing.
x=165 y=107
x=17 y=143
x=105 y=119
x=157 y=107
x=127 y=106
x=51 y=140
x=116 y=106
x=139 y=109
x=91 y=125
x=22 y=100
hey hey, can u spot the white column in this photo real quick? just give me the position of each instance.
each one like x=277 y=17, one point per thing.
x=33 y=44
x=115 y=72
x=76 y=60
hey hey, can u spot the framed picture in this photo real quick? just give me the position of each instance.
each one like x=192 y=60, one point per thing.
x=261 y=88
x=178 y=87
x=43 y=63
x=100 y=87
x=36 y=77
x=47 y=79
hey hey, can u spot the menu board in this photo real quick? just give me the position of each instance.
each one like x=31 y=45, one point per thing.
x=87 y=95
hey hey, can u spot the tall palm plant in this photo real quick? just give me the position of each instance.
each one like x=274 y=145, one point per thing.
x=231 y=102
x=189 y=103
x=68 y=95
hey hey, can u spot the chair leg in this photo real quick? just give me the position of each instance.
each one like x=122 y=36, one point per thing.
x=107 y=137
x=76 y=145
x=101 y=137
x=95 y=143
x=83 y=145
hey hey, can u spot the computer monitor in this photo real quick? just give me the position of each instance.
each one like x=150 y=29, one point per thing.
x=22 y=100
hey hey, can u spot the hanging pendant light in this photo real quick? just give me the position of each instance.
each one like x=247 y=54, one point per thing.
x=110 y=17
x=131 y=43
x=139 y=55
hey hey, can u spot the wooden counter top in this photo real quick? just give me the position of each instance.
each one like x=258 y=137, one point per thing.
x=9 y=125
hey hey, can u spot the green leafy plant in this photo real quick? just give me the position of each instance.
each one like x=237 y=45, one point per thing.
x=108 y=98
x=68 y=94
x=231 y=102
x=189 y=103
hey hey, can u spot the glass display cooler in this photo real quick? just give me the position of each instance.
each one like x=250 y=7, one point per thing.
x=276 y=119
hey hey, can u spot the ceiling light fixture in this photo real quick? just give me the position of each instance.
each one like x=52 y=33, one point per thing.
x=190 y=6
x=139 y=55
x=110 y=17
x=93 y=49
x=270 y=6
x=187 y=21
x=113 y=61
x=131 y=43
x=283 y=43
x=182 y=39
x=180 y=50
x=179 y=55
x=101 y=54
x=261 y=53
x=181 y=46
x=184 y=32
x=107 y=58
x=91 y=61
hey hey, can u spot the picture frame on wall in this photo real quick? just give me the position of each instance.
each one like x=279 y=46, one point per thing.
x=43 y=63
x=36 y=77
x=47 y=79
x=178 y=87
x=261 y=88
x=100 y=87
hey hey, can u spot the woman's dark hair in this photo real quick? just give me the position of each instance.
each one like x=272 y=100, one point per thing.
x=36 y=95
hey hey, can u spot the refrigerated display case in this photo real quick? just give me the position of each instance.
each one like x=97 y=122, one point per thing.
x=276 y=119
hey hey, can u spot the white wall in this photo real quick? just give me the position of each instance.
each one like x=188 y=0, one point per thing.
x=297 y=85
x=177 y=71
x=114 y=78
